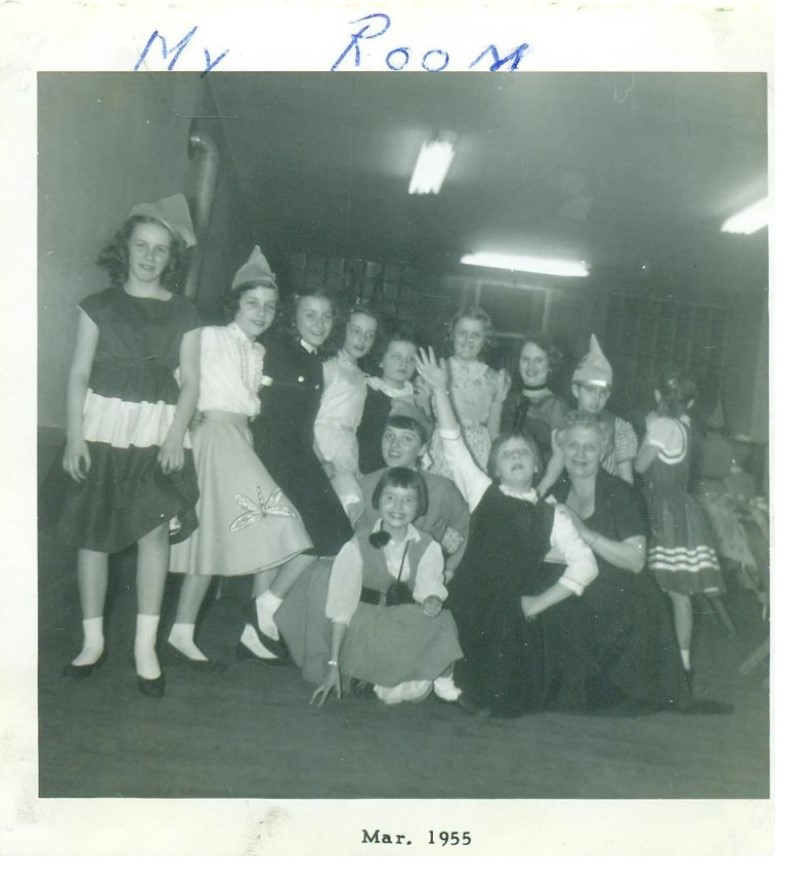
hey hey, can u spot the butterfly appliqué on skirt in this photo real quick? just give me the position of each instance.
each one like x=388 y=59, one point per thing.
x=275 y=506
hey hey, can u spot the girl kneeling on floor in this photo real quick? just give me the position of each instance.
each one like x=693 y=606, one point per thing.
x=384 y=602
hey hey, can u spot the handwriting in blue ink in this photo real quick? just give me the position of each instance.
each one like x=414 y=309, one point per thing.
x=433 y=60
x=177 y=50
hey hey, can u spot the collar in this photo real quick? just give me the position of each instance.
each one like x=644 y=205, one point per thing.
x=537 y=393
x=308 y=347
x=239 y=333
x=473 y=367
x=377 y=383
x=412 y=535
x=530 y=495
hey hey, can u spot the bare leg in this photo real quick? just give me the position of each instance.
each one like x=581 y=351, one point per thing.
x=92 y=586
x=153 y=563
x=192 y=594
x=683 y=621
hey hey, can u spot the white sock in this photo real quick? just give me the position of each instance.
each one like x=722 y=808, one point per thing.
x=445 y=688
x=267 y=605
x=249 y=637
x=144 y=646
x=93 y=642
x=181 y=637
x=685 y=658
x=412 y=690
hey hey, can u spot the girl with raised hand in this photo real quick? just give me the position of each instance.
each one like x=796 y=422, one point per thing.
x=128 y=474
x=246 y=524
x=500 y=588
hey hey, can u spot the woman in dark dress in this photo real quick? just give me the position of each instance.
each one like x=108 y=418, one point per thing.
x=615 y=648
x=501 y=594
x=283 y=440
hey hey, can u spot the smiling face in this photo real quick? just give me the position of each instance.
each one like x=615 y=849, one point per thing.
x=398 y=363
x=589 y=397
x=533 y=365
x=361 y=330
x=468 y=338
x=149 y=250
x=256 y=309
x=515 y=464
x=401 y=447
x=583 y=448
x=314 y=319
x=398 y=507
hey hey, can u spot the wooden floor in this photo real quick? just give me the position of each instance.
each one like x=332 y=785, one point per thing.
x=250 y=733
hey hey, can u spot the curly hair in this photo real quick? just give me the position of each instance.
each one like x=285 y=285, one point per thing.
x=114 y=257
x=232 y=299
x=546 y=344
x=677 y=392
x=585 y=420
x=338 y=334
x=470 y=312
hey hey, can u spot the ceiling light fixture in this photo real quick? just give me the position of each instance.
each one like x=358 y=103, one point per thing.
x=750 y=219
x=433 y=163
x=538 y=265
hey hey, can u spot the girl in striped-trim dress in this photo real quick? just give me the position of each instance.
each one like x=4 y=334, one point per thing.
x=681 y=554
x=127 y=474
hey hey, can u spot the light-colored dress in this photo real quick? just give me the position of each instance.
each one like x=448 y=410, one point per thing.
x=337 y=421
x=246 y=523
x=475 y=389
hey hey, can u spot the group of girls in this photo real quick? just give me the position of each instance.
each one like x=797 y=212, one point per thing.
x=223 y=453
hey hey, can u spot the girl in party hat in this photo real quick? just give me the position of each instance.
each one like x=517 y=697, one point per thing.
x=127 y=475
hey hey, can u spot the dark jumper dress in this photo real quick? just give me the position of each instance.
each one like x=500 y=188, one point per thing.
x=283 y=441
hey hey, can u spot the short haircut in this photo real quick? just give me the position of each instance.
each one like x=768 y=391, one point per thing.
x=501 y=441
x=405 y=478
x=400 y=421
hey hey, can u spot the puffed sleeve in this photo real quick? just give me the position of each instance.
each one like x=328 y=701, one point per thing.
x=346 y=579
x=429 y=574
x=625 y=446
x=580 y=564
x=469 y=478
x=664 y=432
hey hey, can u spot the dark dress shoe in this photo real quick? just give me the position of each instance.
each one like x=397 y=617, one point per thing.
x=206 y=665
x=80 y=672
x=472 y=707
x=151 y=688
x=244 y=653
x=277 y=647
x=362 y=689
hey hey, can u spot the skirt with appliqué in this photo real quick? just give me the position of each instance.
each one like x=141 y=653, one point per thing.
x=246 y=523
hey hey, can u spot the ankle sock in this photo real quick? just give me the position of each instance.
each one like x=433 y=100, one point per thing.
x=93 y=642
x=267 y=605
x=249 y=637
x=181 y=637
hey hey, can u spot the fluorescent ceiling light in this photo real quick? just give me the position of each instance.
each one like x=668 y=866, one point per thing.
x=433 y=163
x=538 y=265
x=749 y=220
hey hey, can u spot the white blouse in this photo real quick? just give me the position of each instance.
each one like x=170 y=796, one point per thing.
x=231 y=368
x=346 y=579
x=567 y=545
x=344 y=393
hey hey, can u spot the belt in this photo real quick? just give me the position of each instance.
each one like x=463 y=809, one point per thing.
x=396 y=593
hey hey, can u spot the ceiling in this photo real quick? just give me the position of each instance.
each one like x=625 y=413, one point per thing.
x=627 y=171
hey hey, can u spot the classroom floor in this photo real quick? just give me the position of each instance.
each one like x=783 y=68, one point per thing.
x=250 y=732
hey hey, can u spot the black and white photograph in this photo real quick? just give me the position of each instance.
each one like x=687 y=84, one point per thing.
x=512 y=326
x=403 y=437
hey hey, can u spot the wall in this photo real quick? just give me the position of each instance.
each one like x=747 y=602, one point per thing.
x=107 y=141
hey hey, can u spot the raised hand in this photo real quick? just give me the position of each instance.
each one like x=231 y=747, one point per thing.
x=433 y=372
